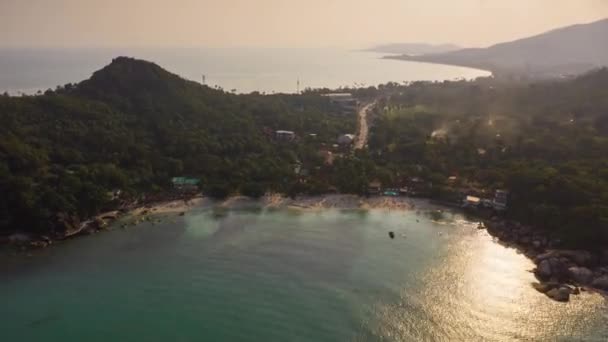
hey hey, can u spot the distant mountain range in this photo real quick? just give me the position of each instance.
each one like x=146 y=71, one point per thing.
x=414 y=49
x=569 y=50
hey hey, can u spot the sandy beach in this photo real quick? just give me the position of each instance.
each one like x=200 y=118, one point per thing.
x=277 y=201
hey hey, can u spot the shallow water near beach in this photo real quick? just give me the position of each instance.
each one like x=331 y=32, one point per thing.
x=286 y=275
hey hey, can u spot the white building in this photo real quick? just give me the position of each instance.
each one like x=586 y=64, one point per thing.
x=345 y=101
x=471 y=202
x=284 y=135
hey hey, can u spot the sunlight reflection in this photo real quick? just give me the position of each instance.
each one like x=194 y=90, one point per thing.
x=476 y=289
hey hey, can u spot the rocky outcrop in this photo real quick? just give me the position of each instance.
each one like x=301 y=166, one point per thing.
x=601 y=283
x=69 y=224
x=578 y=257
x=561 y=294
x=555 y=268
x=555 y=290
x=551 y=267
x=545 y=287
x=112 y=215
x=544 y=270
x=581 y=275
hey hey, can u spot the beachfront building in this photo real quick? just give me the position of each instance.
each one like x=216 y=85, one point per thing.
x=185 y=183
x=374 y=187
x=471 y=202
x=284 y=135
x=344 y=101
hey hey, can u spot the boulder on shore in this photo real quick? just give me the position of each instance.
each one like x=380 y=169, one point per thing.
x=543 y=270
x=581 y=275
x=601 y=283
x=561 y=294
x=544 y=287
x=581 y=258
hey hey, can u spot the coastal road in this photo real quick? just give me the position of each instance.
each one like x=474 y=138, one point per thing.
x=363 y=134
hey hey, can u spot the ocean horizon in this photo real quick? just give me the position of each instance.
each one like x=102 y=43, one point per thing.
x=240 y=70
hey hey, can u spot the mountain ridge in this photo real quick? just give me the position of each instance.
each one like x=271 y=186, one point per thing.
x=573 y=49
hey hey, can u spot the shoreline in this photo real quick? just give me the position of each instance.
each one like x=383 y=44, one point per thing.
x=407 y=58
x=560 y=272
x=180 y=205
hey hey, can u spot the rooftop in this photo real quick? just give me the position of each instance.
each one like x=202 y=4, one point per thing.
x=339 y=95
x=185 y=181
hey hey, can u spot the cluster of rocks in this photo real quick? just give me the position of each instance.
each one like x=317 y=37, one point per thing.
x=68 y=226
x=531 y=242
x=25 y=240
x=561 y=273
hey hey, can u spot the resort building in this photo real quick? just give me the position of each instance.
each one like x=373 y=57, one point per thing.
x=284 y=135
x=374 y=187
x=471 y=202
x=185 y=183
x=345 y=101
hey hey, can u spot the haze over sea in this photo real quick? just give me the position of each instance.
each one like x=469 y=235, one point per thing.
x=242 y=69
x=285 y=275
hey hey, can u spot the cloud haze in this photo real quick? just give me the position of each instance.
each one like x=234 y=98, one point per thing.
x=353 y=23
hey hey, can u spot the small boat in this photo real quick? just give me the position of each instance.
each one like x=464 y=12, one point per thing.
x=391 y=235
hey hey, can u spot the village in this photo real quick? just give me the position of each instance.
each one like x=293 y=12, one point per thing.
x=455 y=192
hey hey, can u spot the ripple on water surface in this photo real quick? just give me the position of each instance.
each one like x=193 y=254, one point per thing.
x=287 y=276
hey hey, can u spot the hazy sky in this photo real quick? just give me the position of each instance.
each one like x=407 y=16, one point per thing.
x=277 y=23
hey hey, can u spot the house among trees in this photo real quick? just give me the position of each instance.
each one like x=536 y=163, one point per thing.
x=345 y=101
x=374 y=187
x=185 y=183
x=286 y=136
x=471 y=202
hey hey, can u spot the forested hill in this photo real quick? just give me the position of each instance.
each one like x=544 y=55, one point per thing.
x=570 y=50
x=132 y=126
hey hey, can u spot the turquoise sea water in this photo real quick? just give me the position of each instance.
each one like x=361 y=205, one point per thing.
x=288 y=276
x=242 y=69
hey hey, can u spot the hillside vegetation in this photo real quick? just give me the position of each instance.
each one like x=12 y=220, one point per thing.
x=133 y=126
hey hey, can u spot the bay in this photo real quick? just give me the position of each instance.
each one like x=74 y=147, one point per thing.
x=285 y=275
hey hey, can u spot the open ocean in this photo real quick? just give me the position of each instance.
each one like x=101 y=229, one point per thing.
x=241 y=69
